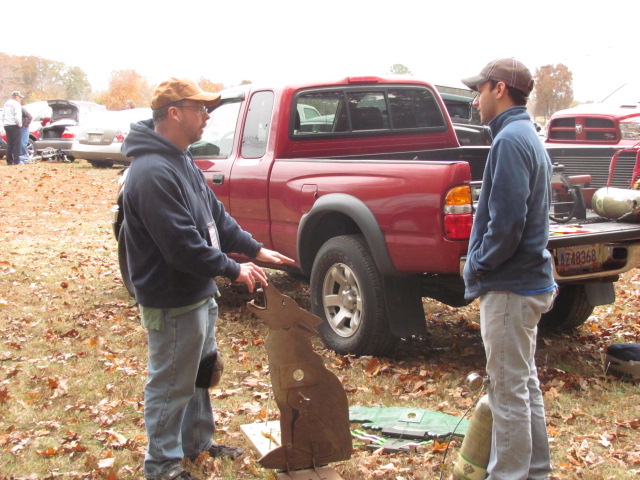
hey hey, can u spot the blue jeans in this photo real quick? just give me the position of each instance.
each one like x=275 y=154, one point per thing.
x=519 y=444
x=178 y=416
x=24 y=141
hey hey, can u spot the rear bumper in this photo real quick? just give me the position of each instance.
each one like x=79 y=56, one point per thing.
x=622 y=258
x=100 y=153
x=55 y=143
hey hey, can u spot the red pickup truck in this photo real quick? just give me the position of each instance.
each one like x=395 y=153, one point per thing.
x=371 y=194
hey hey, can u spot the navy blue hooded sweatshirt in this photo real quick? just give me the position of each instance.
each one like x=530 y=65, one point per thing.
x=168 y=209
x=507 y=249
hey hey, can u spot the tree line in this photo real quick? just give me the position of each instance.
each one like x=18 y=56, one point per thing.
x=41 y=79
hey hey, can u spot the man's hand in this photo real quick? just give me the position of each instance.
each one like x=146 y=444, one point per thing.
x=250 y=274
x=270 y=256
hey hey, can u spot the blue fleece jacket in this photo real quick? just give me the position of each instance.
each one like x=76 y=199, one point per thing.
x=507 y=249
x=168 y=211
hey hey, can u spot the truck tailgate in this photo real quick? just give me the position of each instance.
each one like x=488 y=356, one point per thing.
x=592 y=250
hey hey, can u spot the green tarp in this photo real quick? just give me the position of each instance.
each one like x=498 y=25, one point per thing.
x=409 y=423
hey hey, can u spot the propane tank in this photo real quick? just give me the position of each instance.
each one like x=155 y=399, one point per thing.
x=473 y=457
x=617 y=203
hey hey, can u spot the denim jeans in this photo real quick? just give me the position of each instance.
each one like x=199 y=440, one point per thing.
x=519 y=444
x=24 y=141
x=178 y=416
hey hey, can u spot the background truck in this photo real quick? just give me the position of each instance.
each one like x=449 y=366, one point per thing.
x=594 y=132
x=373 y=198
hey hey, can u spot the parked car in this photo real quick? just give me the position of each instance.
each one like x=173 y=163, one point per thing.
x=98 y=140
x=57 y=130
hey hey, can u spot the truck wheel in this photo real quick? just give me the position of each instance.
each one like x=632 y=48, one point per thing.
x=346 y=292
x=570 y=309
x=124 y=268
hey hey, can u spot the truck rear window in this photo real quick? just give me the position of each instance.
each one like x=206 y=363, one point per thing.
x=367 y=110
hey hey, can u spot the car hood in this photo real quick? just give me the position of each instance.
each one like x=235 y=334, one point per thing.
x=619 y=111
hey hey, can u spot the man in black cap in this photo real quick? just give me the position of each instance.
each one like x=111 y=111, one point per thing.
x=177 y=236
x=509 y=268
x=12 y=127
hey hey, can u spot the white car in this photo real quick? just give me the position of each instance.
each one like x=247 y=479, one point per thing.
x=99 y=140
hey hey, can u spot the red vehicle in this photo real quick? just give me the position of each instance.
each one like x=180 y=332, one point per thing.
x=373 y=198
x=596 y=124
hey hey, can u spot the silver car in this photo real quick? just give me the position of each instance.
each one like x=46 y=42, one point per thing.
x=58 y=129
x=98 y=141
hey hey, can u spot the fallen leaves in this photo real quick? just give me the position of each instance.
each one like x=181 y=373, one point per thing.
x=73 y=357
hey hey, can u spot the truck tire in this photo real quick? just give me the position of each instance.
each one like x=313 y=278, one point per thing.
x=570 y=309
x=124 y=266
x=347 y=294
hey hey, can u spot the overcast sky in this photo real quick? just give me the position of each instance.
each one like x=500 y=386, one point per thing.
x=287 y=40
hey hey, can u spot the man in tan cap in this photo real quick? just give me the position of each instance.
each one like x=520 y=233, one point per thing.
x=509 y=269
x=177 y=236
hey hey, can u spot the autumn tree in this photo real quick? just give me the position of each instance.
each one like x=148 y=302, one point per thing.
x=126 y=85
x=42 y=79
x=399 y=69
x=553 y=89
x=8 y=76
x=209 y=86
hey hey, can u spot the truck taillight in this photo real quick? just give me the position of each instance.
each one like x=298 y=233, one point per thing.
x=458 y=213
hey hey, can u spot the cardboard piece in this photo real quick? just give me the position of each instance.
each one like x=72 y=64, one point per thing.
x=314 y=411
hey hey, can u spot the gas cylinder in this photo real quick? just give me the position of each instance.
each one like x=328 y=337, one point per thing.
x=473 y=457
x=617 y=203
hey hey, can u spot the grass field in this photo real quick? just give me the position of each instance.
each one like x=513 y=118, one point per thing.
x=73 y=358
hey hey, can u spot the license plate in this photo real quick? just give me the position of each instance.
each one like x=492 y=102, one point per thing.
x=95 y=137
x=583 y=258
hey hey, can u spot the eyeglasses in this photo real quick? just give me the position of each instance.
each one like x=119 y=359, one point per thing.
x=199 y=108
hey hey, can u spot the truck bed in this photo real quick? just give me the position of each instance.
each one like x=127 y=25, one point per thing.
x=593 y=230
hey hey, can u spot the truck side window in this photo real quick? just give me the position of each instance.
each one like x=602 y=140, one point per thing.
x=217 y=139
x=257 y=124
x=413 y=108
x=365 y=111
x=368 y=111
x=329 y=114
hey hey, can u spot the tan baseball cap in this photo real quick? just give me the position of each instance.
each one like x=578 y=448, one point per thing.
x=176 y=89
x=508 y=70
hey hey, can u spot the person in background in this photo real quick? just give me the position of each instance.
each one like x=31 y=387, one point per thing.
x=12 y=124
x=177 y=236
x=24 y=135
x=509 y=268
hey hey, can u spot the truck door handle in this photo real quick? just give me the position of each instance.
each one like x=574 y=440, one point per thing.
x=217 y=179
